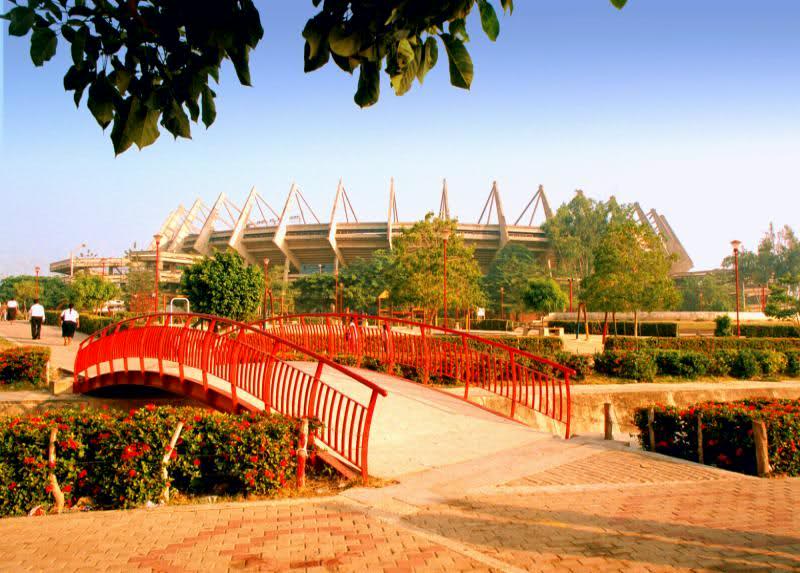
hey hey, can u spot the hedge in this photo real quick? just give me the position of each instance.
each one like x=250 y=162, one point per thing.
x=745 y=364
x=89 y=323
x=114 y=458
x=770 y=330
x=492 y=324
x=24 y=364
x=701 y=344
x=622 y=328
x=727 y=433
x=546 y=346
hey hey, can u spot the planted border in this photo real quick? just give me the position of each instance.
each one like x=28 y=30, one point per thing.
x=24 y=364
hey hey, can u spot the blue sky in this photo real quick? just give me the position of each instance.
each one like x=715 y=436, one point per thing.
x=689 y=107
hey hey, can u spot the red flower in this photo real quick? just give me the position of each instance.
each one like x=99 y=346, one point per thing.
x=254 y=459
x=12 y=485
x=132 y=473
x=196 y=462
x=150 y=407
x=198 y=418
x=82 y=474
x=66 y=488
x=284 y=463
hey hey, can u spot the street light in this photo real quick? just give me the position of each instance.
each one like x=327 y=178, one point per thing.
x=736 y=245
x=72 y=258
x=157 y=238
x=267 y=289
x=37 y=281
x=570 y=293
x=445 y=235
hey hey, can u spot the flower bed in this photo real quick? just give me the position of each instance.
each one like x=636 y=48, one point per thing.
x=24 y=364
x=115 y=458
x=727 y=433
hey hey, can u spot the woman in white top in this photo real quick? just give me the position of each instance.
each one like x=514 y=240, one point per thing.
x=11 y=309
x=69 y=322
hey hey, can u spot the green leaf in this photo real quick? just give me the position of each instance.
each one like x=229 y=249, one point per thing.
x=403 y=81
x=176 y=121
x=43 y=45
x=489 y=19
x=209 y=107
x=241 y=63
x=78 y=44
x=141 y=126
x=460 y=62
x=101 y=100
x=619 y=4
x=121 y=79
x=405 y=53
x=21 y=20
x=346 y=64
x=342 y=43
x=369 y=85
x=458 y=28
x=430 y=55
x=508 y=6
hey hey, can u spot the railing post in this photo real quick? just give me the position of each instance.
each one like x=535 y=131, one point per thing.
x=513 y=384
x=311 y=407
x=389 y=346
x=467 y=366
x=111 y=354
x=569 y=406
x=162 y=331
x=329 y=330
x=304 y=332
x=365 y=439
x=266 y=387
x=206 y=352
x=182 y=349
x=426 y=366
x=302 y=454
x=145 y=331
x=233 y=373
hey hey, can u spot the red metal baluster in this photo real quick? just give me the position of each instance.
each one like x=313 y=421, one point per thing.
x=513 y=364
x=182 y=350
x=569 y=405
x=233 y=376
x=266 y=389
x=204 y=359
x=426 y=368
x=467 y=366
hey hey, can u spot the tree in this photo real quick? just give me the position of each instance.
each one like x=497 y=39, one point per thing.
x=147 y=62
x=139 y=290
x=91 y=292
x=784 y=299
x=363 y=280
x=712 y=292
x=576 y=229
x=631 y=272
x=544 y=295
x=53 y=291
x=511 y=270
x=314 y=293
x=224 y=285
x=25 y=292
x=416 y=273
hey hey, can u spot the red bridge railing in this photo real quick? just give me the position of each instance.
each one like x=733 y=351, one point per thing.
x=240 y=362
x=521 y=377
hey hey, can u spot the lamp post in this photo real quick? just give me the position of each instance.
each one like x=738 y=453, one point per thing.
x=502 y=293
x=37 y=281
x=157 y=238
x=267 y=289
x=72 y=259
x=736 y=245
x=445 y=236
x=570 y=293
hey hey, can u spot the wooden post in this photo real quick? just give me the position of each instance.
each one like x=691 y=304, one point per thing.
x=700 y=455
x=651 y=418
x=58 y=495
x=302 y=454
x=165 y=460
x=762 y=450
x=609 y=424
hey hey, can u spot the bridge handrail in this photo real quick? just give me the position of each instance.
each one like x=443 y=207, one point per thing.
x=518 y=375
x=440 y=329
x=250 y=361
x=239 y=325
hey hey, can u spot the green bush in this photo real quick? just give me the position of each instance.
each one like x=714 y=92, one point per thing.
x=722 y=362
x=727 y=433
x=491 y=324
x=24 y=364
x=634 y=365
x=703 y=344
x=114 y=458
x=770 y=330
x=792 y=363
x=722 y=325
x=89 y=323
x=626 y=328
x=582 y=364
x=771 y=363
x=682 y=363
x=745 y=365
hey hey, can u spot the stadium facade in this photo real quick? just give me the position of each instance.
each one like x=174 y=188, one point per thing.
x=309 y=245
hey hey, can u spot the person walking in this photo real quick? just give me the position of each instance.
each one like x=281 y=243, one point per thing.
x=11 y=309
x=36 y=314
x=70 y=321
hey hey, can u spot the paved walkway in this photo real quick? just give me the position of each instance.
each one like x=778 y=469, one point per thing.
x=473 y=492
x=19 y=332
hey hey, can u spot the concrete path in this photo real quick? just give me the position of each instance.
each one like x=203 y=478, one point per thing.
x=19 y=332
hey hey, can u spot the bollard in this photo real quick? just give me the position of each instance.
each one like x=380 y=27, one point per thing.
x=609 y=424
x=762 y=448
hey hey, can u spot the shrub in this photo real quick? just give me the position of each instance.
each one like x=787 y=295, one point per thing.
x=722 y=362
x=792 y=363
x=89 y=323
x=727 y=433
x=626 y=328
x=706 y=345
x=114 y=458
x=24 y=364
x=634 y=365
x=722 y=325
x=771 y=363
x=770 y=330
x=682 y=363
x=581 y=363
x=745 y=365
x=492 y=324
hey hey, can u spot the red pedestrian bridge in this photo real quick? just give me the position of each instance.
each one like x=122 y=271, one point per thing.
x=233 y=366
